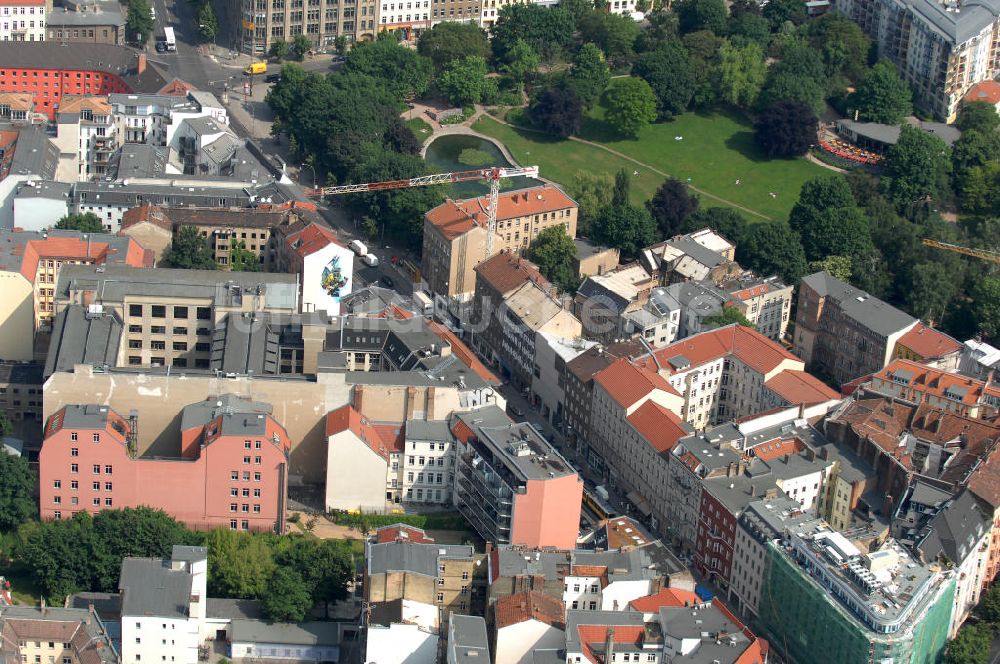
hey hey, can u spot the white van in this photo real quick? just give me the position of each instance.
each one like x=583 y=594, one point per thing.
x=424 y=302
x=371 y=260
x=358 y=247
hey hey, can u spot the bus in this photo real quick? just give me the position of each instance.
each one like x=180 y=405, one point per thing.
x=597 y=506
x=168 y=34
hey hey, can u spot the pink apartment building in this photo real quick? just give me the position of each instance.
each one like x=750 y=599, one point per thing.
x=230 y=469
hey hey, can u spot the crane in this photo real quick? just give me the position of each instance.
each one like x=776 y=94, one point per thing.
x=492 y=174
x=982 y=254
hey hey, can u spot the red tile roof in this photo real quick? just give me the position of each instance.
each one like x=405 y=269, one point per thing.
x=627 y=383
x=798 y=387
x=400 y=532
x=746 y=344
x=506 y=272
x=928 y=343
x=176 y=88
x=668 y=597
x=146 y=214
x=598 y=635
x=777 y=448
x=382 y=438
x=621 y=531
x=988 y=91
x=661 y=427
x=76 y=249
x=530 y=605
x=927 y=380
x=985 y=481
x=454 y=218
x=311 y=239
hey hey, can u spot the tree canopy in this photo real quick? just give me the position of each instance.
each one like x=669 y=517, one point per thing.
x=695 y=15
x=86 y=222
x=631 y=105
x=553 y=251
x=403 y=70
x=671 y=205
x=741 y=74
x=548 y=31
x=883 y=96
x=139 y=22
x=190 y=251
x=464 y=82
x=917 y=167
x=557 y=111
x=978 y=116
x=287 y=598
x=668 y=71
x=728 y=316
x=448 y=41
x=786 y=129
x=829 y=221
x=771 y=247
x=589 y=75
x=17 y=491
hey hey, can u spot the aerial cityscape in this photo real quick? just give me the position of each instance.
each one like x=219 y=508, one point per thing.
x=500 y=331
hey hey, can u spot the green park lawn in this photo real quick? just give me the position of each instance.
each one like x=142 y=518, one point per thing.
x=716 y=150
x=420 y=129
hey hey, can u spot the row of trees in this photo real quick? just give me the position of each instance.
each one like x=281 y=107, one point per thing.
x=290 y=574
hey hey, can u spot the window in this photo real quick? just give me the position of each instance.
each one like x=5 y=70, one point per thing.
x=234 y=492
x=256 y=509
x=180 y=312
x=108 y=469
x=159 y=311
x=440 y=597
x=74 y=485
x=57 y=499
x=96 y=486
x=235 y=475
x=57 y=484
x=204 y=313
x=107 y=502
x=233 y=507
x=256 y=493
x=74 y=451
x=57 y=515
x=246 y=461
x=73 y=435
x=96 y=437
x=256 y=477
x=97 y=469
x=245 y=525
x=256 y=460
x=107 y=486
x=135 y=310
x=232 y=524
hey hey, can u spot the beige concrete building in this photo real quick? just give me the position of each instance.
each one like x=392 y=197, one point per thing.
x=262 y=22
x=88 y=22
x=766 y=303
x=455 y=234
x=593 y=259
x=17 y=317
x=363 y=461
x=86 y=135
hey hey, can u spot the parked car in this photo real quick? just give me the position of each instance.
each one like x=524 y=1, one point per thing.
x=515 y=411
x=371 y=260
x=358 y=247
x=272 y=78
x=161 y=47
x=387 y=281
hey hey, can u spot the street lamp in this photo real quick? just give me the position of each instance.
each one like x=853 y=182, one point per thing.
x=311 y=168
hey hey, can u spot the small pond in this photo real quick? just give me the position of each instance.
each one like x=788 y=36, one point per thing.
x=461 y=152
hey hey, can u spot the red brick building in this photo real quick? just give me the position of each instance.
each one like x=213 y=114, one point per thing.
x=230 y=468
x=49 y=71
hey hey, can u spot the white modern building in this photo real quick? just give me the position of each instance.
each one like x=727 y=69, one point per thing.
x=22 y=20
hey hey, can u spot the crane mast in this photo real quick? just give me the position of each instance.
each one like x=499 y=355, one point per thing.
x=493 y=175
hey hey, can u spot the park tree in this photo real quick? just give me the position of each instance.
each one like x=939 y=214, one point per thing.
x=916 y=169
x=613 y=33
x=978 y=116
x=17 y=490
x=287 y=598
x=695 y=15
x=190 y=251
x=58 y=555
x=932 y=287
x=728 y=316
x=208 y=23
x=627 y=228
x=883 y=95
x=622 y=189
x=404 y=71
x=741 y=73
x=785 y=85
x=326 y=566
x=141 y=532
x=138 y=22
x=726 y=221
x=548 y=31
x=745 y=28
x=780 y=11
x=841 y=267
x=668 y=71
x=400 y=138
x=828 y=220
x=553 y=252
x=239 y=564
x=843 y=44
x=242 y=259
x=631 y=105
x=279 y=51
x=591 y=191
x=985 y=310
x=671 y=205
x=786 y=129
x=971 y=645
x=464 y=82
x=557 y=111
x=589 y=75
x=989 y=605
x=520 y=63
x=448 y=41
x=771 y=247
x=86 y=222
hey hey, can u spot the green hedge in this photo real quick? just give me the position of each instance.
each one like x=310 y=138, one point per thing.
x=442 y=521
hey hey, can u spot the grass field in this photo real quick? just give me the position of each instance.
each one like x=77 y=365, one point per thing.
x=420 y=129
x=717 y=149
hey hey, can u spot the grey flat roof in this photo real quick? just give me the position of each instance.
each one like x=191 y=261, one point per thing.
x=436 y=430
x=468 y=641
x=107 y=605
x=109 y=14
x=22 y=373
x=413 y=558
x=77 y=339
x=85 y=416
x=234 y=609
x=878 y=316
x=239 y=416
x=585 y=248
x=518 y=562
x=301 y=634
x=699 y=252
x=205 y=125
x=34 y=153
x=150 y=588
x=140 y=160
x=59 y=191
x=178 y=190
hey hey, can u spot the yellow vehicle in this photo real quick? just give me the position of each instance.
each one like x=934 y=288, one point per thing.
x=256 y=68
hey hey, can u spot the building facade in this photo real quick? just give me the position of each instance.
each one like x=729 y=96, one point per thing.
x=22 y=21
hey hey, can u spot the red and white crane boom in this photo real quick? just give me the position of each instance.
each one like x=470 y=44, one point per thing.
x=493 y=175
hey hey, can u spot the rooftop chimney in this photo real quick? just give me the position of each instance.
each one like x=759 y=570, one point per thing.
x=609 y=646
x=140 y=65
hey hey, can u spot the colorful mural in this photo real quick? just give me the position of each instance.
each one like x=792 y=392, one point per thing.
x=334 y=279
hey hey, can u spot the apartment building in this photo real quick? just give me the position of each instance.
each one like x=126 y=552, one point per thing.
x=455 y=234
x=941 y=48
x=979 y=360
x=766 y=303
x=548 y=385
x=163 y=604
x=364 y=461
x=703 y=255
x=23 y=21
x=525 y=622
x=919 y=384
x=580 y=372
x=592 y=259
x=511 y=485
x=496 y=278
x=86 y=135
x=431 y=580
x=984 y=485
x=321 y=21
x=16 y=108
x=89 y=21
x=169 y=316
x=21 y=391
x=608 y=304
x=29 y=156
x=37 y=634
x=843 y=331
x=30 y=266
x=926 y=345
x=154 y=118
x=229 y=468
